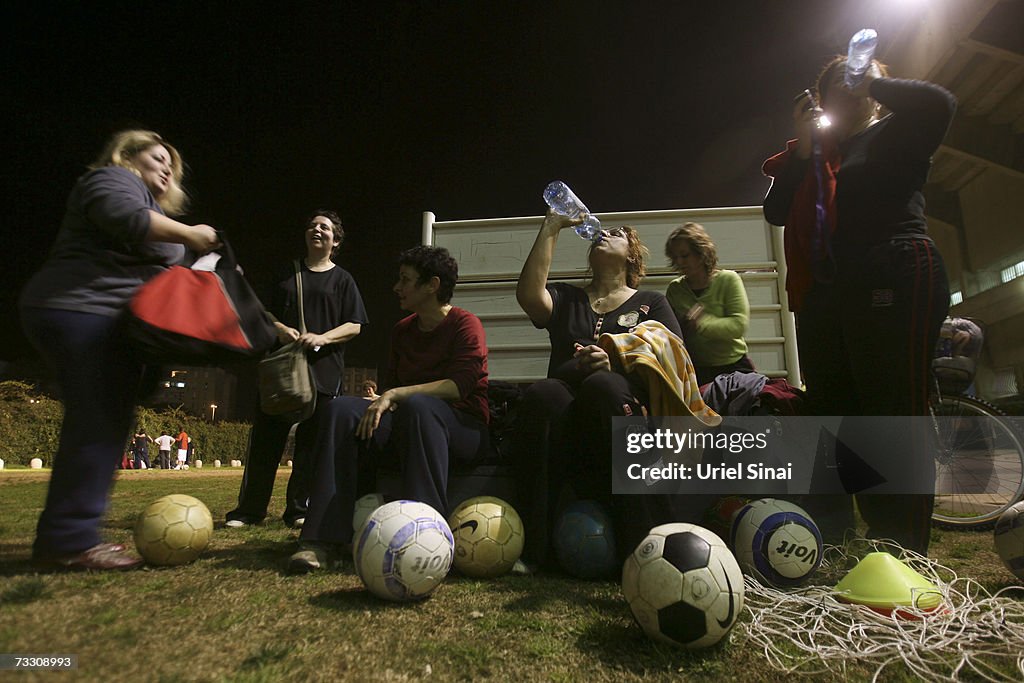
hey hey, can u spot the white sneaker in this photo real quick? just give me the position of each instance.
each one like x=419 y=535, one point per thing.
x=521 y=568
x=235 y=523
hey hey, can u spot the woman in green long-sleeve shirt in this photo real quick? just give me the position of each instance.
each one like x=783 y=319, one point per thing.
x=711 y=304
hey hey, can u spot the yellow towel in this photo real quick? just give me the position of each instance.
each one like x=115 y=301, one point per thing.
x=660 y=359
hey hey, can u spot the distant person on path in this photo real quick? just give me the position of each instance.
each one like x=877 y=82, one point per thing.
x=165 y=441
x=140 y=448
x=115 y=235
x=183 y=444
x=369 y=389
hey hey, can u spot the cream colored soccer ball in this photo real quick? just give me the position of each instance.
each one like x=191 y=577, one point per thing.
x=488 y=536
x=173 y=530
x=403 y=551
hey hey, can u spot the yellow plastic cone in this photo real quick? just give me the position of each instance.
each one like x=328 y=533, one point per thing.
x=884 y=584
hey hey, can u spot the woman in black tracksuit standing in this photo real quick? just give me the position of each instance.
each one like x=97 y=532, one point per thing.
x=875 y=291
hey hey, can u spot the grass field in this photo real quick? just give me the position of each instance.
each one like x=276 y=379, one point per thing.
x=234 y=615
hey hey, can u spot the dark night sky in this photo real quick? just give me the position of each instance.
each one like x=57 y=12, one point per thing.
x=385 y=109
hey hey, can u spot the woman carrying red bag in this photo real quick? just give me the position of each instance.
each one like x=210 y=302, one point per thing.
x=116 y=234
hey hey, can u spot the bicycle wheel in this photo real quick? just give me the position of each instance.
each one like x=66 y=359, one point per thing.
x=979 y=465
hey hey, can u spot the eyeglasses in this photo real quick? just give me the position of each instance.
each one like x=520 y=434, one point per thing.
x=616 y=232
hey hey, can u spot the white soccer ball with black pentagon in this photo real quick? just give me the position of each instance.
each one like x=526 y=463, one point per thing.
x=488 y=536
x=683 y=586
x=1009 y=538
x=173 y=530
x=776 y=541
x=403 y=551
x=364 y=507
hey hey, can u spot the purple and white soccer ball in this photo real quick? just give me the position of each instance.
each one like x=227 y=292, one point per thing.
x=403 y=551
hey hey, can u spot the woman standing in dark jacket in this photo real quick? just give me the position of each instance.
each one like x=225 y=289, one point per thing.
x=115 y=235
x=866 y=281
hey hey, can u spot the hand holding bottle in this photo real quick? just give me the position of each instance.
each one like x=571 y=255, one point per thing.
x=555 y=222
x=863 y=87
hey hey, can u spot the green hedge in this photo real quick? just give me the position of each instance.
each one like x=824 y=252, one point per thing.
x=30 y=425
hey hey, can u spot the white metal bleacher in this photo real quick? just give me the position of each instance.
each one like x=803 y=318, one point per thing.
x=491 y=253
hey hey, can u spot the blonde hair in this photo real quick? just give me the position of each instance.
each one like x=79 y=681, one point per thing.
x=121 y=150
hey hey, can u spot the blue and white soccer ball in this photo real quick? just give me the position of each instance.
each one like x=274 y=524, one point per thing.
x=403 y=551
x=683 y=586
x=776 y=541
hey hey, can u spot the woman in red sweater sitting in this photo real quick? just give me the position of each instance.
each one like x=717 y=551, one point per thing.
x=434 y=409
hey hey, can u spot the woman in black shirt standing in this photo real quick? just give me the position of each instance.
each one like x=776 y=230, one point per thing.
x=876 y=293
x=334 y=314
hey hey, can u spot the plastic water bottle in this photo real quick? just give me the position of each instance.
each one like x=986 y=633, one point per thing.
x=562 y=200
x=858 y=57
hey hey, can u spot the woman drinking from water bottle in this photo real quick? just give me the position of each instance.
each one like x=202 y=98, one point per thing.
x=867 y=283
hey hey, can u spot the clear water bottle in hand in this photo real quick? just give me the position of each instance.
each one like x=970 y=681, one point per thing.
x=858 y=58
x=562 y=200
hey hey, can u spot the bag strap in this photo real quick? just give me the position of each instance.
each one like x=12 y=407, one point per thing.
x=228 y=260
x=298 y=291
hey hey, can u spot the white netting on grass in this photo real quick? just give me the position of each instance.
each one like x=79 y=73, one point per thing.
x=975 y=635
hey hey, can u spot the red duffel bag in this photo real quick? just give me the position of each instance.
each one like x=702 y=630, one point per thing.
x=199 y=317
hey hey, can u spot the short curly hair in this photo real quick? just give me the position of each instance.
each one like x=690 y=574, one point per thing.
x=336 y=227
x=636 y=260
x=433 y=262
